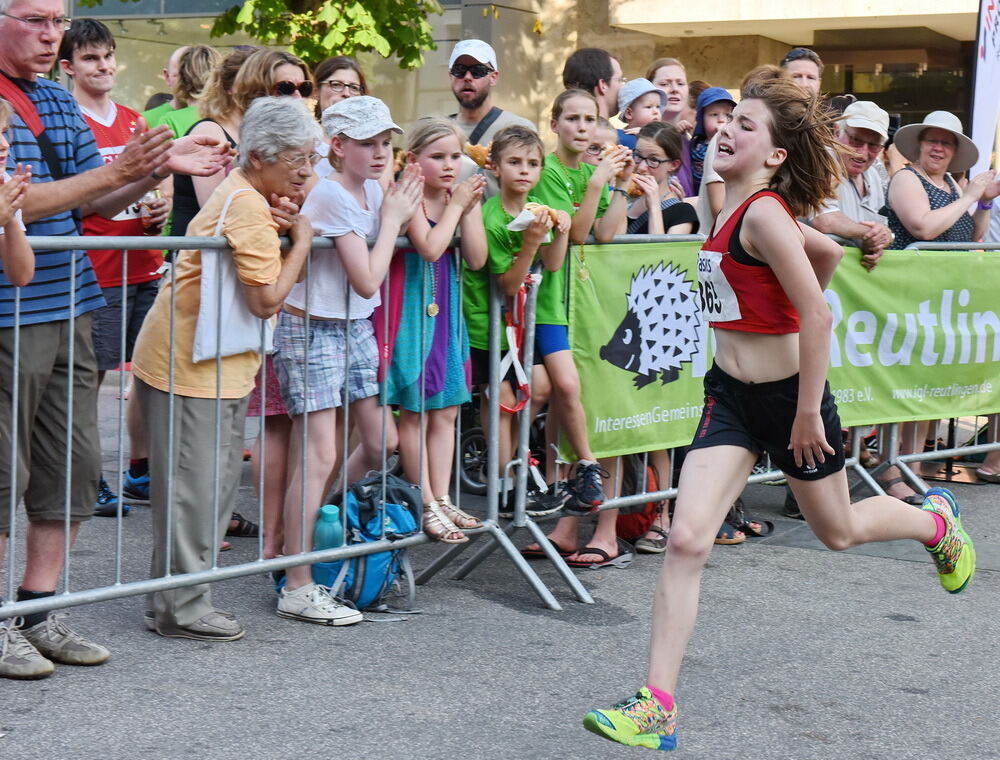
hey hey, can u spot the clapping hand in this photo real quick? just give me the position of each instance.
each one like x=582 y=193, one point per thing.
x=404 y=197
x=469 y=192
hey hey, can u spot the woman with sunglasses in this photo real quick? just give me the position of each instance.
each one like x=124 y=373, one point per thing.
x=261 y=73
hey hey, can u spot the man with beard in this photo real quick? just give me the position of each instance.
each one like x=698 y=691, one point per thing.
x=473 y=71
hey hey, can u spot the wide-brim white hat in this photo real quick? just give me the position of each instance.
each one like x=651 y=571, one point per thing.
x=907 y=140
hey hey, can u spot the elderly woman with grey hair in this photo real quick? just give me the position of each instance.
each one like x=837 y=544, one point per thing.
x=277 y=154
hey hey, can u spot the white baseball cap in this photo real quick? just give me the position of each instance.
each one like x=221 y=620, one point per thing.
x=863 y=114
x=359 y=118
x=481 y=51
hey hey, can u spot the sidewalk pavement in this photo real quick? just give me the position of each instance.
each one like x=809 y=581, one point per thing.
x=799 y=654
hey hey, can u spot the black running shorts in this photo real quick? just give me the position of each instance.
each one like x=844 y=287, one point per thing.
x=759 y=417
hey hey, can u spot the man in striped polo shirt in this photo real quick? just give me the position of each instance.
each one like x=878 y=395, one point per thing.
x=54 y=317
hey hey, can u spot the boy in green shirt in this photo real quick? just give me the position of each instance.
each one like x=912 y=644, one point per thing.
x=516 y=157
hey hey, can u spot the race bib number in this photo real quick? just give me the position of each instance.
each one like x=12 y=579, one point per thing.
x=718 y=299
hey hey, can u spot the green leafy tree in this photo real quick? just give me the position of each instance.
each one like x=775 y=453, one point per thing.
x=317 y=29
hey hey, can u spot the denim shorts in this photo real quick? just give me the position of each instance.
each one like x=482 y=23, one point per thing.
x=331 y=344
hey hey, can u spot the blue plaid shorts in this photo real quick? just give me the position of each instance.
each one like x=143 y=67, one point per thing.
x=326 y=364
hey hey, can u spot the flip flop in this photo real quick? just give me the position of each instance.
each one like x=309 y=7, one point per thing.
x=539 y=553
x=621 y=560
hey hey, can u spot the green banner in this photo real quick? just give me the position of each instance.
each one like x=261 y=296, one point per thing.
x=917 y=338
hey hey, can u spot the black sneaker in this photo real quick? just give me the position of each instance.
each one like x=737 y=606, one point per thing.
x=537 y=503
x=541 y=503
x=586 y=489
x=107 y=501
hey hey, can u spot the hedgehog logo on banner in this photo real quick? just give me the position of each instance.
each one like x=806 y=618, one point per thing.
x=660 y=330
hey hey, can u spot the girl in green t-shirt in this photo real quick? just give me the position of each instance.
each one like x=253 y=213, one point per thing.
x=582 y=190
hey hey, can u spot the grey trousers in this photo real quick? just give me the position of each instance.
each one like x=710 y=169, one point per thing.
x=193 y=477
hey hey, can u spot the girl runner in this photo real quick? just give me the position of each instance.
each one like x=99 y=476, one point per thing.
x=767 y=390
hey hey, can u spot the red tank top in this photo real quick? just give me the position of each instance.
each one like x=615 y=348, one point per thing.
x=739 y=292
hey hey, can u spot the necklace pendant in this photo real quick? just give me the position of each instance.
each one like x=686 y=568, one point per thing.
x=583 y=273
x=432 y=309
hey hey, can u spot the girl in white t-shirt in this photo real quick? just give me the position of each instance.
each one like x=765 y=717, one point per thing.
x=325 y=346
x=15 y=253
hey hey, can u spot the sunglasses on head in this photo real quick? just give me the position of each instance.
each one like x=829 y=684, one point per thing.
x=478 y=70
x=285 y=87
x=799 y=54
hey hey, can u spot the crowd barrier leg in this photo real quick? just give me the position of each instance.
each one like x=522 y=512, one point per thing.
x=854 y=463
x=900 y=461
x=498 y=537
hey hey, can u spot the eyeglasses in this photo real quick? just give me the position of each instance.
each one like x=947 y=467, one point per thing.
x=858 y=144
x=337 y=86
x=301 y=159
x=939 y=142
x=652 y=163
x=478 y=70
x=305 y=89
x=594 y=149
x=41 y=23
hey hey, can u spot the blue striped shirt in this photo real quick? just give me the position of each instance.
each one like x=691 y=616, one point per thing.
x=48 y=297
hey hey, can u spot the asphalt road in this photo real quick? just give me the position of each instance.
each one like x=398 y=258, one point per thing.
x=799 y=653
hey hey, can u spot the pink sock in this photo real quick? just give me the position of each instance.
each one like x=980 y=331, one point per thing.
x=942 y=527
x=666 y=700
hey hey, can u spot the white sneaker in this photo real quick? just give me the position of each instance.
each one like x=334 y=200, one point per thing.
x=315 y=604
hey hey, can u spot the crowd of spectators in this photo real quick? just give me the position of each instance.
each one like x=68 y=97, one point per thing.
x=234 y=150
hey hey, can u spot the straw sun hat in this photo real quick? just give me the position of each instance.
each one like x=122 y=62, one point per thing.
x=907 y=142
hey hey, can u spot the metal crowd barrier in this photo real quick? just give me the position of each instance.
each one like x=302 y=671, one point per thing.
x=498 y=534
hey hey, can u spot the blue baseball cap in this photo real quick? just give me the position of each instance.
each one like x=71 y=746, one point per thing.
x=708 y=96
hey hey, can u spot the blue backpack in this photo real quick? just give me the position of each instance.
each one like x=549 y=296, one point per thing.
x=366 y=581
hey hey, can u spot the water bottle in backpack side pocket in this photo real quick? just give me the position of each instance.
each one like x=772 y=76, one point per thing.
x=329 y=532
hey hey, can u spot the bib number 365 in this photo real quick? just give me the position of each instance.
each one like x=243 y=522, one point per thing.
x=718 y=299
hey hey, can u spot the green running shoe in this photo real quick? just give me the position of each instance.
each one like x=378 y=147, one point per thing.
x=954 y=554
x=638 y=721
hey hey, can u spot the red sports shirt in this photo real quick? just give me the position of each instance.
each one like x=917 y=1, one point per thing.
x=739 y=292
x=142 y=264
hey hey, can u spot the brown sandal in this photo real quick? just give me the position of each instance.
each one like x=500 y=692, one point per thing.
x=462 y=519
x=439 y=527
